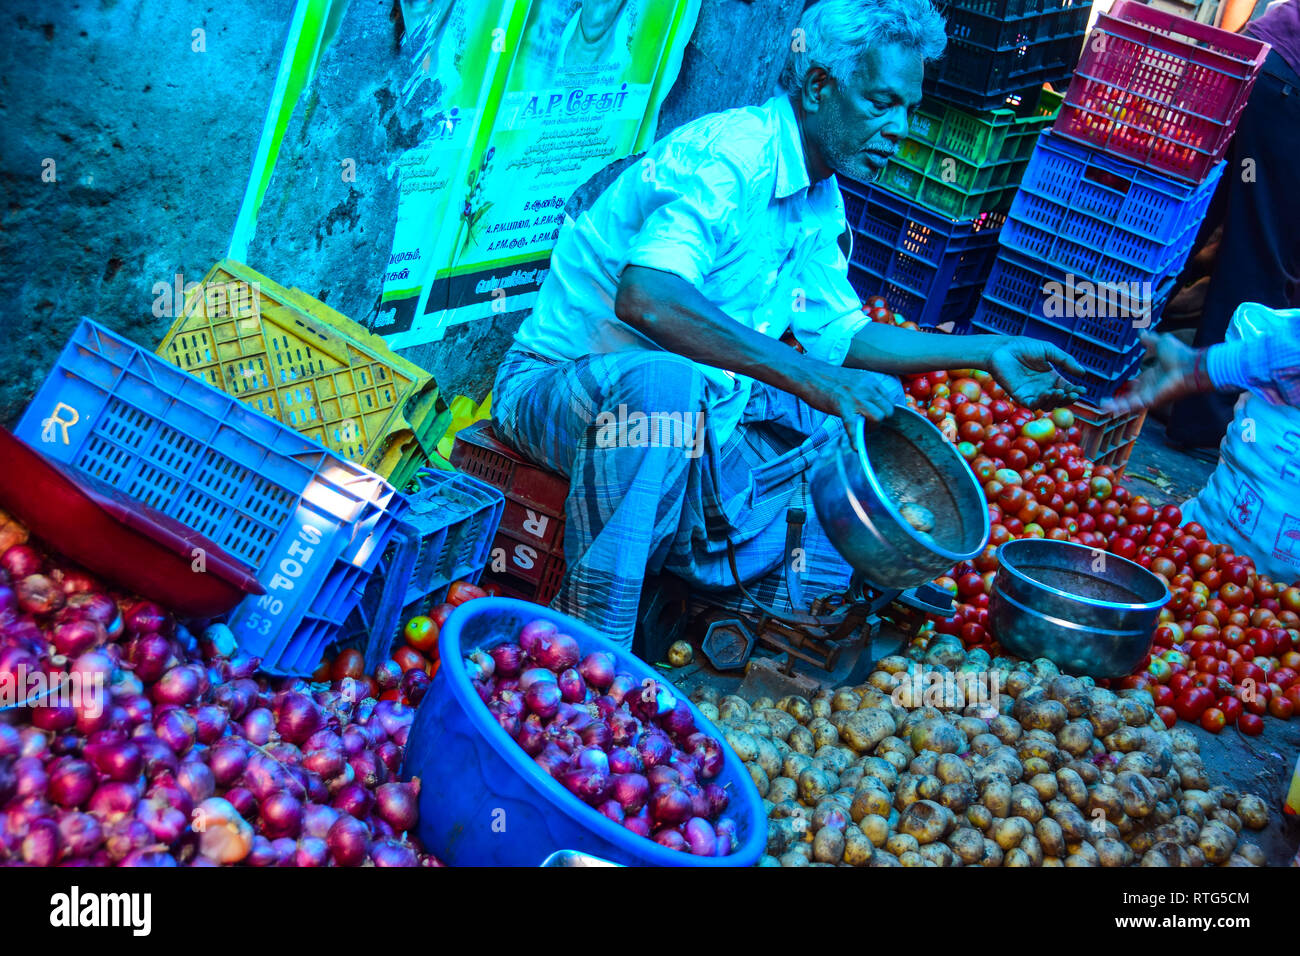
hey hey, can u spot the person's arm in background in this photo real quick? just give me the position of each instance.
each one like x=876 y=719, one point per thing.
x=1268 y=365
x=1236 y=14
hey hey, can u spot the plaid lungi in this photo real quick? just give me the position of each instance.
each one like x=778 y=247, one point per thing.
x=662 y=498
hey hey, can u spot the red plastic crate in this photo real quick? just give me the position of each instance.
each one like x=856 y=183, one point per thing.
x=521 y=567
x=525 y=560
x=1160 y=90
x=1107 y=439
x=507 y=585
x=479 y=453
x=534 y=525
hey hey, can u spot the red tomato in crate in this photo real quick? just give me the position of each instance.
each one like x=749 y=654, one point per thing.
x=408 y=658
x=462 y=591
x=349 y=663
x=421 y=633
x=440 y=613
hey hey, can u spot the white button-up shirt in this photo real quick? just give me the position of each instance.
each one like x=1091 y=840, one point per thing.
x=725 y=203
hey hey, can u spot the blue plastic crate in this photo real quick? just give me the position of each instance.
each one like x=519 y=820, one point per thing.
x=1101 y=329
x=930 y=268
x=1070 y=188
x=1028 y=289
x=445 y=536
x=304 y=519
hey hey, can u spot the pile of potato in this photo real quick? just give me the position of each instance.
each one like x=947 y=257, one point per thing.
x=1063 y=774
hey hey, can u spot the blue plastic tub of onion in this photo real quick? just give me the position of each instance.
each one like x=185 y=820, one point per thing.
x=538 y=735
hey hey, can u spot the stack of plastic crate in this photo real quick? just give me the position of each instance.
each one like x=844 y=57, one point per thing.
x=311 y=525
x=928 y=266
x=1001 y=51
x=924 y=232
x=967 y=148
x=961 y=163
x=527 y=557
x=311 y=368
x=1114 y=195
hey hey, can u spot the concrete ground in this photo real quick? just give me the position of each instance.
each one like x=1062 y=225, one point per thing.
x=1261 y=765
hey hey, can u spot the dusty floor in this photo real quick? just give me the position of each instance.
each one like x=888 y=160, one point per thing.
x=1262 y=765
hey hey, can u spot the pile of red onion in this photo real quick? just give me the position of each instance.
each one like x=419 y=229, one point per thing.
x=627 y=748
x=189 y=756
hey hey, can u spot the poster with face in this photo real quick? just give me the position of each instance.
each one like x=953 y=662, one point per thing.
x=584 y=79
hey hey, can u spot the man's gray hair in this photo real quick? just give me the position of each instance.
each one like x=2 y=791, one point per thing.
x=834 y=34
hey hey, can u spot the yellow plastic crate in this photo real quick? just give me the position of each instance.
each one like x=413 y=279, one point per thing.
x=411 y=446
x=301 y=362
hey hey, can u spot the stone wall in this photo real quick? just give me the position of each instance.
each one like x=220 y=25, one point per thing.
x=152 y=143
x=149 y=142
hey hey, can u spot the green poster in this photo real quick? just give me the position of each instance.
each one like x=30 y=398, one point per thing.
x=459 y=61
x=585 y=80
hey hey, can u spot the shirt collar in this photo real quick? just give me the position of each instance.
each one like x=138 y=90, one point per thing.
x=791 y=169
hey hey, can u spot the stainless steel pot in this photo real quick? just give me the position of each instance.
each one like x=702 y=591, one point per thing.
x=1087 y=611
x=906 y=461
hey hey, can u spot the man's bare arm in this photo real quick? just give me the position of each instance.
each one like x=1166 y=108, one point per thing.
x=676 y=316
x=1025 y=367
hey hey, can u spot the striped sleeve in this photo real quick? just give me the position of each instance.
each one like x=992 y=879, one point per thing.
x=1267 y=364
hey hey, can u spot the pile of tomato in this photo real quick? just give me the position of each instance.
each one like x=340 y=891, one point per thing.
x=414 y=660
x=1226 y=651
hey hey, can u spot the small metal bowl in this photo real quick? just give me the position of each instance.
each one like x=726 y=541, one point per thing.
x=858 y=497
x=1086 y=610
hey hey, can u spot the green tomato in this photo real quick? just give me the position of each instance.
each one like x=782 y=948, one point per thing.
x=1101 y=488
x=1008 y=476
x=1160 y=670
x=1041 y=430
x=967 y=450
x=1172 y=656
x=1063 y=417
